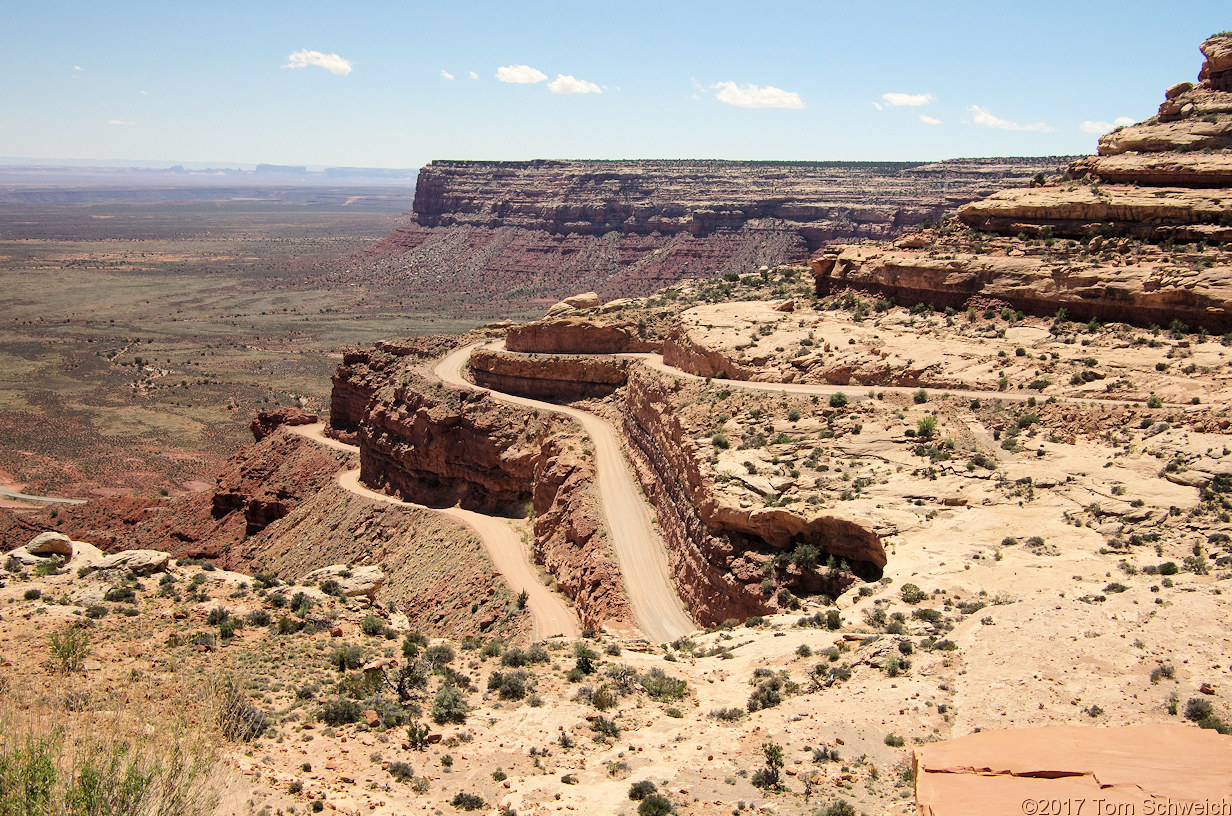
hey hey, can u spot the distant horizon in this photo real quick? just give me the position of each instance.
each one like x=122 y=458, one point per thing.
x=250 y=167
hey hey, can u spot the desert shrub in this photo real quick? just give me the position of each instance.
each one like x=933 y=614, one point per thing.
x=339 y=711
x=70 y=646
x=217 y=615
x=467 y=801
x=769 y=775
x=449 y=705
x=347 y=656
x=661 y=686
x=514 y=657
x=1168 y=568
x=912 y=594
x=640 y=790
x=401 y=771
x=894 y=741
x=768 y=694
x=510 y=685
x=838 y=399
x=237 y=717
x=226 y=630
x=33 y=594
x=417 y=736
x=604 y=698
x=121 y=594
x=839 y=808
x=438 y=656
x=1164 y=671
x=257 y=617
x=656 y=804
x=289 y=626
x=727 y=714
x=605 y=727
x=104 y=775
x=1198 y=708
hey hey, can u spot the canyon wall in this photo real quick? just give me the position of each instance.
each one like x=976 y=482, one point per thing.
x=535 y=231
x=718 y=550
x=436 y=445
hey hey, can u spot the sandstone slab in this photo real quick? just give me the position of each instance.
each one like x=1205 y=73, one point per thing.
x=140 y=562
x=996 y=771
x=50 y=543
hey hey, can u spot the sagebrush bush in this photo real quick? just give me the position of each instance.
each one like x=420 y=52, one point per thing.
x=102 y=775
x=339 y=711
x=70 y=646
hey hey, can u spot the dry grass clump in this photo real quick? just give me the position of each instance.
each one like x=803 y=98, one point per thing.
x=137 y=758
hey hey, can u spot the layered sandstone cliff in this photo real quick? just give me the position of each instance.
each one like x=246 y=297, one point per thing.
x=435 y=445
x=535 y=231
x=1132 y=234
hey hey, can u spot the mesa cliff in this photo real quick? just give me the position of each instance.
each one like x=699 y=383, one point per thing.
x=535 y=231
x=1136 y=233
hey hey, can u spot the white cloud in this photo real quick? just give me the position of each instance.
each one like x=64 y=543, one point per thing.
x=753 y=96
x=565 y=84
x=472 y=75
x=119 y=122
x=1100 y=128
x=911 y=100
x=76 y=67
x=330 y=62
x=520 y=74
x=928 y=120
x=986 y=119
x=445 y=74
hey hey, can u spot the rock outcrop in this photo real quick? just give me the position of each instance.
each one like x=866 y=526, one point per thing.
x=548 y=377
x=1081 y=241
x=266 y=422
x=537 y=231
x=352 y=581
x=263 y=483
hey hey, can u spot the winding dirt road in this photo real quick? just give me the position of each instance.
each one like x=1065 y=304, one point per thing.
x=639 y=549
x=549 y=615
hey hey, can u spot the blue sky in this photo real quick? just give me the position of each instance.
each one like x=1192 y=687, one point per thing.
x=329 y=84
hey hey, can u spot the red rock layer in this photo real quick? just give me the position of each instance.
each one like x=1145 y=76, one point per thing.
x=548 y=377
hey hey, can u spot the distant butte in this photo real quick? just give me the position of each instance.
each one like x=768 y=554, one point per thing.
x=536 y=231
